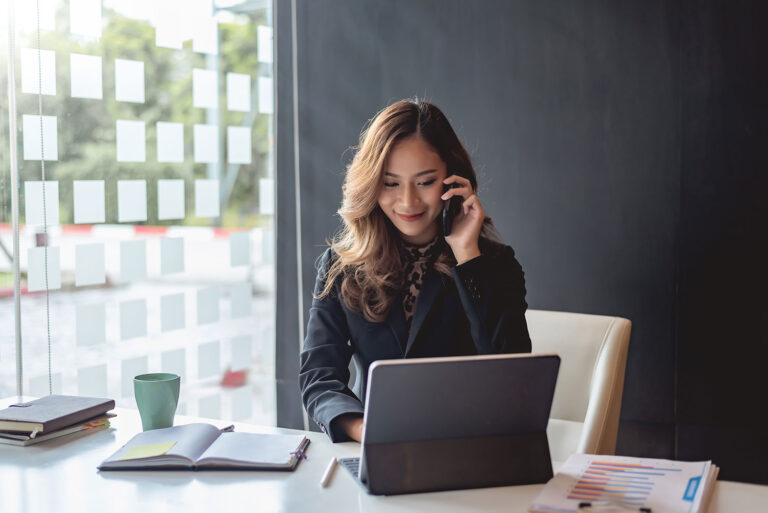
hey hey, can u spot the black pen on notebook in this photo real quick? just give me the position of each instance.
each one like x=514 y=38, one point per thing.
x=326 y=480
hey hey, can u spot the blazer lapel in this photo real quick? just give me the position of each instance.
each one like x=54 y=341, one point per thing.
x=430 y=289
x=396 y=322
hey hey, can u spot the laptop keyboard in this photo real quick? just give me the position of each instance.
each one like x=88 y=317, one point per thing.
x=352 y=465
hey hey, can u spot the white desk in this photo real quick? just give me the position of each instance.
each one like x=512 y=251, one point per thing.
x=60 y=476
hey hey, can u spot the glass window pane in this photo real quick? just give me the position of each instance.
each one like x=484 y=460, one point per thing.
x=152 y=230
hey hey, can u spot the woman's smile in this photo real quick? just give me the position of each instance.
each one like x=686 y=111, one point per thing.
x=412 y=217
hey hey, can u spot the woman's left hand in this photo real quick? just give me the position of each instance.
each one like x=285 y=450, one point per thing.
x=465 y=232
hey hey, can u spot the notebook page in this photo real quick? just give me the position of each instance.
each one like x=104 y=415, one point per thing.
x=252 y=449
x=191 y=440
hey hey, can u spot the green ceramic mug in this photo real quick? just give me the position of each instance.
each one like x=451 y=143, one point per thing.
x=156 y=396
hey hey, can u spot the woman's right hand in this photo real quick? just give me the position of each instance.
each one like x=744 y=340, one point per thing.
x=352 y=424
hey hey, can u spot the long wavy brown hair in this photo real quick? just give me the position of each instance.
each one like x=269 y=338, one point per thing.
x=367 y=246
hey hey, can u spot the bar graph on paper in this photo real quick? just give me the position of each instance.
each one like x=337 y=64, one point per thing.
x=662 y=485
x=626 y=483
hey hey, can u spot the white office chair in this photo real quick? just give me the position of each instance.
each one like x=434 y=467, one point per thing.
x=593 y=353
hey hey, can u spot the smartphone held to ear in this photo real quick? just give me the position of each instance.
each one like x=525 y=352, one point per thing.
x=451 y=208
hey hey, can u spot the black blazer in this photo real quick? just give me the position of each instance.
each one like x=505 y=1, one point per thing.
x=480 y=310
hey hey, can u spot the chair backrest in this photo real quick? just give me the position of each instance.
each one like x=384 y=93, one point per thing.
x=587 y=402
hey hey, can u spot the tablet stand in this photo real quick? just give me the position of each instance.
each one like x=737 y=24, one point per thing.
x=432 y=465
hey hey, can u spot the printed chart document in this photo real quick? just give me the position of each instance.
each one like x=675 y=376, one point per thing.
x=662 y=485
x=203 y=446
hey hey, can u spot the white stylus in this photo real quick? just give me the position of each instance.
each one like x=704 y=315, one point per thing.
x=326 y=480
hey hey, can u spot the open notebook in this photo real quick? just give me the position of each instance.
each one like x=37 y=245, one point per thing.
x=203 y=446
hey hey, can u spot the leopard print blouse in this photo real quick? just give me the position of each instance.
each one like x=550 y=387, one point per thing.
x=417 y=260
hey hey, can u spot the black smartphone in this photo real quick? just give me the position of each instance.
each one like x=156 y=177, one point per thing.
x=451 y=208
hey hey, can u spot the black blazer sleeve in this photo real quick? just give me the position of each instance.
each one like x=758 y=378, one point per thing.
x=492 y=291
x=325 y=358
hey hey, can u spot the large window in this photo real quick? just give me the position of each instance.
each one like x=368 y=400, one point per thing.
x=149 y=245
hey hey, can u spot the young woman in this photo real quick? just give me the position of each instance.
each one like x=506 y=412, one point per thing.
x=392 y=285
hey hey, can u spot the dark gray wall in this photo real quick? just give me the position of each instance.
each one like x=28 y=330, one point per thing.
x=573 y=113
x=723 y=306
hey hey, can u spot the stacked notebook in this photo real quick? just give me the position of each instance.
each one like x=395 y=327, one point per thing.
x=630 y=484
x=53 y=416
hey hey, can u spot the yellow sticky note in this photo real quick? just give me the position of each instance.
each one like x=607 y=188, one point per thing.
x=147 y=451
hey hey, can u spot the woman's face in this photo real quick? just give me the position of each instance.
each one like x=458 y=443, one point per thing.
x=413 y=183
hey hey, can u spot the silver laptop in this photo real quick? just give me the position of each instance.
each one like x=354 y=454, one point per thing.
x=457 y=422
